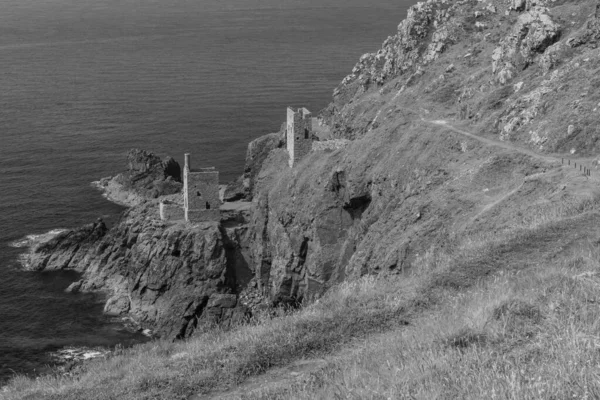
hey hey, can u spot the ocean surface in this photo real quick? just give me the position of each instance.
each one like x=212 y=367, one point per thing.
x=83 y=81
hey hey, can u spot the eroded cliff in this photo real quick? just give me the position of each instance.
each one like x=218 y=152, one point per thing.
x=470 y=104
x=165 y=277
x=424 y=121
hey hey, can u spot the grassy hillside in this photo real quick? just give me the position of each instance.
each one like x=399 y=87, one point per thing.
x=514 y=316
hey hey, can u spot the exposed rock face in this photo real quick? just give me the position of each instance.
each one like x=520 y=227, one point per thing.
x=404 y=51
x=589 y=34
x=168 y=278
x=394 y=183
x=377 y=203
x=524 y=5
x=531 y=35
x=429 y=29
x=66 y=249
x=551 y=57
x=374 y=206
x=309 y=228
x=257 y=152
x=147 y=177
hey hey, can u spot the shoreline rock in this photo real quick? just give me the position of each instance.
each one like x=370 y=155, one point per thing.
x=116 y=192
x=168 y=278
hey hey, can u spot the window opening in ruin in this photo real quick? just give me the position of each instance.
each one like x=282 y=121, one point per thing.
x=297 y=137
x=198 y=194
x=207 y=206
x=305 y=133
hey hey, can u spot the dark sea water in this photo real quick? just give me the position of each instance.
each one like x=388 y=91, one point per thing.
x=82 y=81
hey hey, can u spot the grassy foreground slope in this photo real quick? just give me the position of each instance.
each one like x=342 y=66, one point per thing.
x=514 y=316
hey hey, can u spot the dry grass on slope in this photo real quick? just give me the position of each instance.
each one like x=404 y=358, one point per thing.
x=528 y=331
x=217 y=360
x=494 y=316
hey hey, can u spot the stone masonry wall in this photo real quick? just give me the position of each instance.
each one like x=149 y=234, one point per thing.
x=299 y=134
x=202 y=195
x=195 y=216
x=291 y=115
x=171 y=211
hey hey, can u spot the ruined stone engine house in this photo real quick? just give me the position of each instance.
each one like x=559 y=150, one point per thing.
x=299 y=134
x=201 y=200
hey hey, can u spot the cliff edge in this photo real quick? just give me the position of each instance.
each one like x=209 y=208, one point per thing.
x=441 y=237
x=470 y=106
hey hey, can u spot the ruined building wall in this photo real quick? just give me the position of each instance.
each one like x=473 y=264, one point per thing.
x=299 y=134
x=290 y=141
x=201 y=194
x=171 y=211
x=203 y=190
x=201 y=202
x=195 y=216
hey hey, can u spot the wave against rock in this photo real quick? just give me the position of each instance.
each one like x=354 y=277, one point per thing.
x=168 y=277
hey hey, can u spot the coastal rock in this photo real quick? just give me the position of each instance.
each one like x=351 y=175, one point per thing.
x=161 y=276
x=258 y=151
x=147 y=177
x=74 y=287
x=65 y=249
x=377 y=198
x=331 y=221
x=256 y=154
x=235 y=190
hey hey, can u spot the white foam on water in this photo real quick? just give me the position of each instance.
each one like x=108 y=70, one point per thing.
x=78 y=354
x=33 y=239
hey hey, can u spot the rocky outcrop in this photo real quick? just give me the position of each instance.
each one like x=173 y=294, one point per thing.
x=256 y=154
x=589 y=34
x=147 y=177
x=532 y=34
x=379 y=201
x=66 y=249
x=334 y=218
x=525 y=5
x=421 y=37
x=378 y=198
x=168 y=278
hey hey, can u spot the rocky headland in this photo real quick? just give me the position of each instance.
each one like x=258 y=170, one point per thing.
x=163 y=277
x=446 y=220
x=147 y=177
x=388 y=182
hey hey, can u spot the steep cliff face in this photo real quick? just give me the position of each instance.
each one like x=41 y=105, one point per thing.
x=166 y=277
x=256 y=154
x=377 y=205
x=507 y=66
x=432 y=135
x=403 y=183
